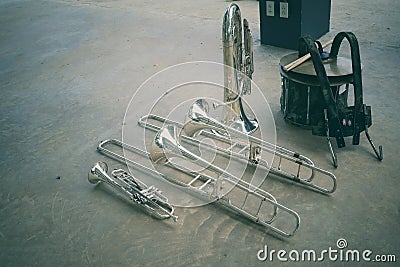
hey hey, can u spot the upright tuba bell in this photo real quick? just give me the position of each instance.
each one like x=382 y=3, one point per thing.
x=238 y=70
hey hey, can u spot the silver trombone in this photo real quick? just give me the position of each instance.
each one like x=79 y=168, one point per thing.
x=265 y=213
x=147 y=197
x=198 y=122
x=166 y=144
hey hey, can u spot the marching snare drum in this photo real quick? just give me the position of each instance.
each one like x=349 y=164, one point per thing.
x=315 y=92
x=301 y=97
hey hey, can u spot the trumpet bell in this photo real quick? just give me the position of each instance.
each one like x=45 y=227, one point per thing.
x=93 y=177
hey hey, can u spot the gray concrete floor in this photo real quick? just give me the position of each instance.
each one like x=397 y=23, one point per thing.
x=67 y=72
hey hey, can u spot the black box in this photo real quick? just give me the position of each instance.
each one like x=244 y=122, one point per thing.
x=304 y=17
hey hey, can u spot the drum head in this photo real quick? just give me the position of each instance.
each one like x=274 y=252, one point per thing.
x=339 y=66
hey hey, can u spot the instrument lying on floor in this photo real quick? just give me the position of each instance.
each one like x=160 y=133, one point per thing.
x=199 y=121
x=315 y=93
x=206 y=186
x=147 y=197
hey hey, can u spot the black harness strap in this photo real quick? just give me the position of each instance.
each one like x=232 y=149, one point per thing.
x=357 y=80
x=307 y=45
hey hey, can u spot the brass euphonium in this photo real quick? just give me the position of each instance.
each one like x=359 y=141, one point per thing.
x=147 y=197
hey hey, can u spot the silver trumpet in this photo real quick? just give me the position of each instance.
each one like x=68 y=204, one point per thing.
x=147 y=197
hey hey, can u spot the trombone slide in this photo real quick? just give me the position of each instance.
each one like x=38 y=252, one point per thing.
x=207 y=190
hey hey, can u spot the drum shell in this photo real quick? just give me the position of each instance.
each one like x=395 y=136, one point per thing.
x=303 y=105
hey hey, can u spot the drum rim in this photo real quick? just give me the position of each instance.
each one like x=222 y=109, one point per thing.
x=331 y=66
x=312 y=80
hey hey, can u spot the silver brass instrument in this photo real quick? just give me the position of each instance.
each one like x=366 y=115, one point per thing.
x=304 y=169
x=265 y=212
x=199 y=120
x=147 y=197
x=166 y=141
x=238 y=71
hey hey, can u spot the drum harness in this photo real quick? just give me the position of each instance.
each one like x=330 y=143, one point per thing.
x=340 y=120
